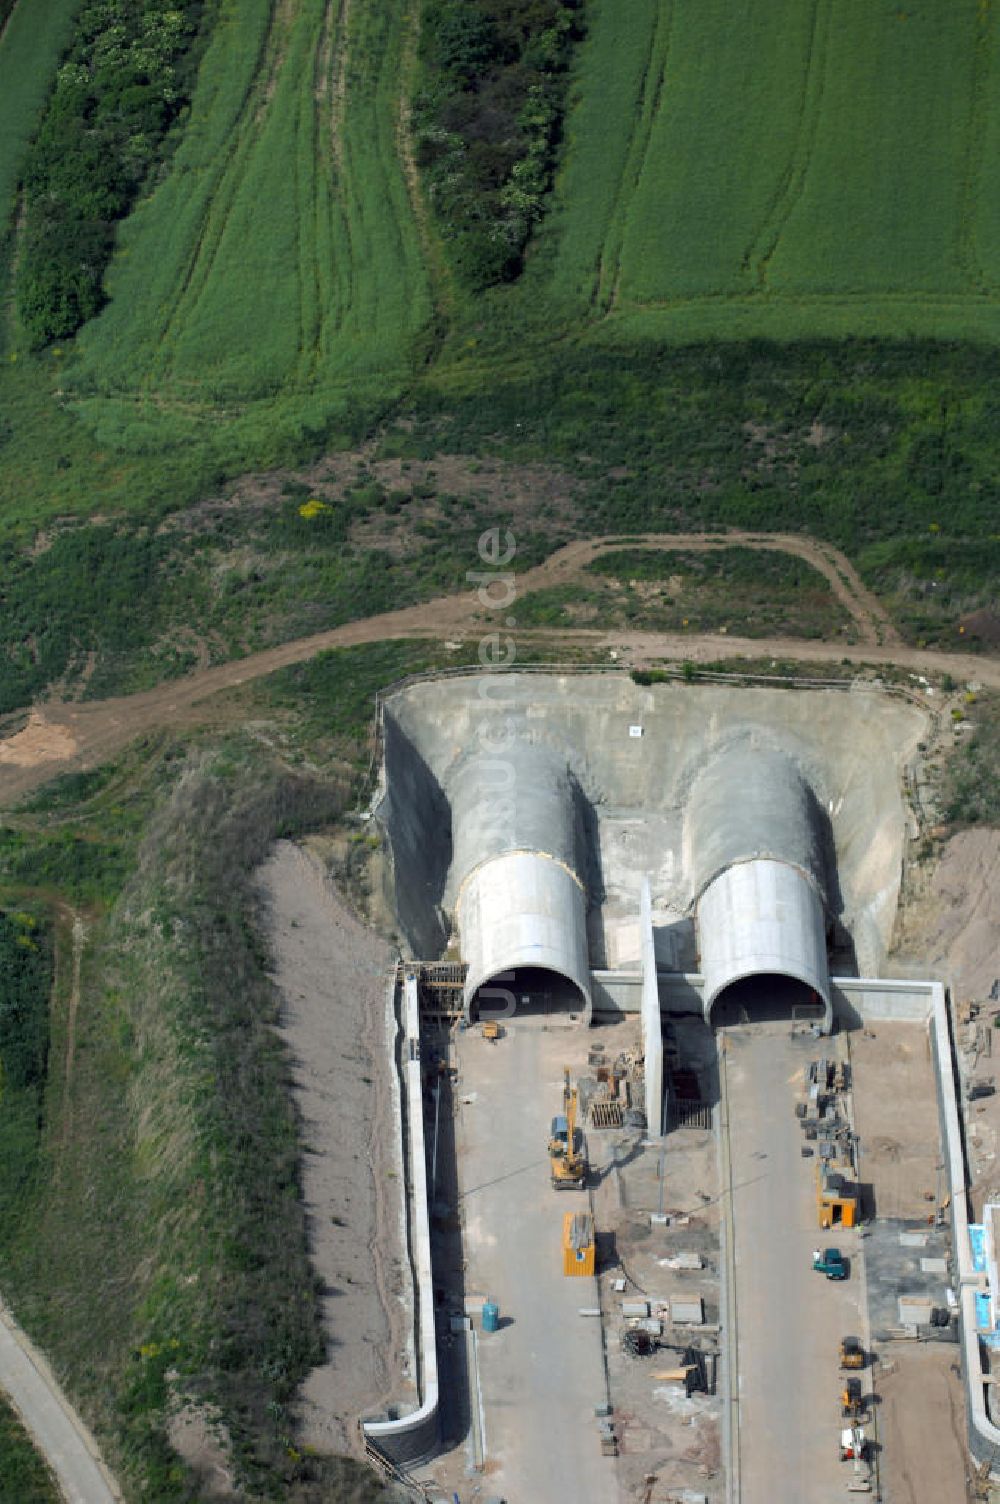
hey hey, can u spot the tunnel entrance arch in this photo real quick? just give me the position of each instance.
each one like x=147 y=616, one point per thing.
x=766 y=997
x=756 y=837
x=527 y=991
x=763 y=946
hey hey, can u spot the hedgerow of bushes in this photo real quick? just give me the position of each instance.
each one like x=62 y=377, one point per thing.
x=124 y=83
x=25 y=985
x=487 y=123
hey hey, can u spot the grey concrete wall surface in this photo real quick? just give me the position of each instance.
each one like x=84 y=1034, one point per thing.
x=762 y=918
x=414 y=813
x=516 y=796
x=522 y=909
x=414 y=1437
x=752 y=799
x=620 y=992
x=860 y=999
x=634 y=755
x=652 y=1023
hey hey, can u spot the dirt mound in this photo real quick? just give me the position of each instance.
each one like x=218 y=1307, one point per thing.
x=951 y=922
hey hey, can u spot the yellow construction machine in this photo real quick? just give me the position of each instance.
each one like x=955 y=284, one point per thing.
x=567 y=1164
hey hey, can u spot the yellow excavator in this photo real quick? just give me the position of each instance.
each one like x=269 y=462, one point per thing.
x=567 y=1165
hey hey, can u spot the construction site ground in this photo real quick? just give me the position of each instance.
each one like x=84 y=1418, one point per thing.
x=921 y=1425
x=977 y=1047
x=670 y=1442
x=895 y=1110
x=920 y=1416
x=548 y=1371
x=790 y=1319
x=538 y=1381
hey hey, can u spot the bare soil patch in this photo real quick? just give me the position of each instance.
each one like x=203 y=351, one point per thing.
x=39 y=742
x=894 y=1101
x=921 y=1426
x=331 y=973
x=195 y=1432
x=952 y=915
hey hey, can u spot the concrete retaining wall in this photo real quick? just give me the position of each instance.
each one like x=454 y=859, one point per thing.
x=866 y=1000
x=618 y=992
x=652 y=1025
x=856 y=1000
x=984 y=1436
x=414 y=1437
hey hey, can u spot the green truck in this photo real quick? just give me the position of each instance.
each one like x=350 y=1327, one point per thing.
x=830 y=1262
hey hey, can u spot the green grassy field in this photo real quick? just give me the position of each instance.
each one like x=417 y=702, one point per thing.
x=794 y=169
x=280 y=255
x=24 y=1478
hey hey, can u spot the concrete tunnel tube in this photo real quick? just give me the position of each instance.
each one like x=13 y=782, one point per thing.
x=755 y=842
x=520 y=901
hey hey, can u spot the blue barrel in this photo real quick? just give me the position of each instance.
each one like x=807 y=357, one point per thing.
x=491 y=1316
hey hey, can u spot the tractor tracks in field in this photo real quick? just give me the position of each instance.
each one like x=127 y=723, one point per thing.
x=650 y=92
x=333 y=74
x=758 y=255
x=226 y=176
x=439 y=275
x=70 y=736
x=976 y=134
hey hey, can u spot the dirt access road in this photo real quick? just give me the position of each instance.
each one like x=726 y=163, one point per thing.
x=62 y=737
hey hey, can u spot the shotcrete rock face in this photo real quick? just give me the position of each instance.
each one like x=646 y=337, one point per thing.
x=518 y=797
x=755 y=848
x=752 y=801
x=520 y=903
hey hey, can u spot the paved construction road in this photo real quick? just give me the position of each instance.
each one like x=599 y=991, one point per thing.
x=789 y=1319
x=56 y=1430
x=542 y=1374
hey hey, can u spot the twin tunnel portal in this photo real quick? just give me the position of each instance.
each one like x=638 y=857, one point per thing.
x=594 y=848
x=754 y=842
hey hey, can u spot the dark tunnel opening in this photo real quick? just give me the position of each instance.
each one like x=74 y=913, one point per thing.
x=768 y=997
x=526 y=991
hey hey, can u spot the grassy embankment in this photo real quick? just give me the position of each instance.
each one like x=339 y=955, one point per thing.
x=24 y=1478
x=151 y=1171
x=731 y=589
